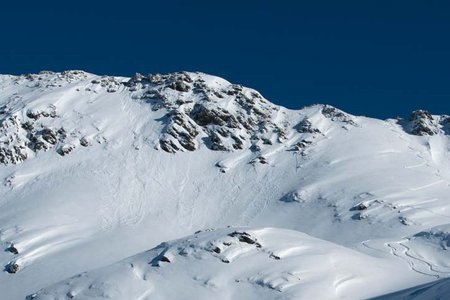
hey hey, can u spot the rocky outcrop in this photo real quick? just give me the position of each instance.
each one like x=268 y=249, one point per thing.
x=225 y=117
x=23 y=136
x=194 y=110
x=179 y=134
x=13 y=141
x=305 y=126
x=423 y=123
x=337 y=115
x=12 y=267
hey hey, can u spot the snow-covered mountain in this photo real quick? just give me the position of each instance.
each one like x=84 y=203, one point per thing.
x=285 y=204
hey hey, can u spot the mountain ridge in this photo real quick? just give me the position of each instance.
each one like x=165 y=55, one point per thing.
x=97 y=168
x=246 y=119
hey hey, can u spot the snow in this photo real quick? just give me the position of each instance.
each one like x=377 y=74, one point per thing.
x=345 y=202
x=217 y=264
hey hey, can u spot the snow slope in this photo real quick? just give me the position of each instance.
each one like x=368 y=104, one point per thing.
x=237 y=263
x=96 y=169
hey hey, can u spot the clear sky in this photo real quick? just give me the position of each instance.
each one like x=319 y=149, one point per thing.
x=374 y=58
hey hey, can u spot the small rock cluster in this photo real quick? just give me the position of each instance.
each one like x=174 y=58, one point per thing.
x=220 y=248
x=109 y=82
x=422 y=123
x=12 y=267
x=49 y=79
x=22 y=136
x=338 y=115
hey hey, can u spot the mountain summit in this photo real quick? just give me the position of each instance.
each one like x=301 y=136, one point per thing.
x=235 y=196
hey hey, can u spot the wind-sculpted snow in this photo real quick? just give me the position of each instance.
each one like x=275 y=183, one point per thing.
x=236 y=263
x=95 y=169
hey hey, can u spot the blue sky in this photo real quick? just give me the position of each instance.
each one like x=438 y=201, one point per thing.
x=375 y=58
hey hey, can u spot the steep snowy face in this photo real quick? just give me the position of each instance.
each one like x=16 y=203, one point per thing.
x=98 y=168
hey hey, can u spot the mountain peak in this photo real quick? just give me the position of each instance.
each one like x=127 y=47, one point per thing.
x=193 y=109
x=105 y=164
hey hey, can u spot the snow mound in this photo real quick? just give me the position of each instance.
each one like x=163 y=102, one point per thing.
x=234 y=263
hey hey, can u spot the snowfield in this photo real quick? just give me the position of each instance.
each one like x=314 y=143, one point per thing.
x=239 y=264
x=290 y=204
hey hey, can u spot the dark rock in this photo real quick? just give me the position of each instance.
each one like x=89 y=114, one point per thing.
x=305 y=126
x=335 y=114
x=84 y=142
x=33 y=115
x=49 y=136
x=164 y=259
x=204 y=116
x=216 y=143
x=239 y=144
x=301 y=146
x=243 y=237
x=183 y=130
x=179 y=85
x=111 y=89
x=64 y=150
x=266 y=141
x=38 y=145
x=12 y=268
x=404 y=221
x=62 y=134
x=168 y=146
x=27 y=126
x=255 y=148
x=12 y=249
x=362 y=206
x=262 y=160
x=274 y=256
x=423 y=123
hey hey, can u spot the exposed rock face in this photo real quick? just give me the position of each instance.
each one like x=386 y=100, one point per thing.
x=226 y=116
x=196 y=110
x=13 y=141
x=337 y=115
x=220 y=115
x=26 y=130
x=180 y=134
x=423 y=123
x=305 y=126
x=12 y=268
x=21 y=137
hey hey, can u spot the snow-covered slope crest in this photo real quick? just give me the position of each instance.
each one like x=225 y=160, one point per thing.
x=237 y=263
x=95 y=169
x=38 y=112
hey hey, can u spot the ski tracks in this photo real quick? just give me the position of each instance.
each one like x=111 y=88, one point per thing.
x=416 y=263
